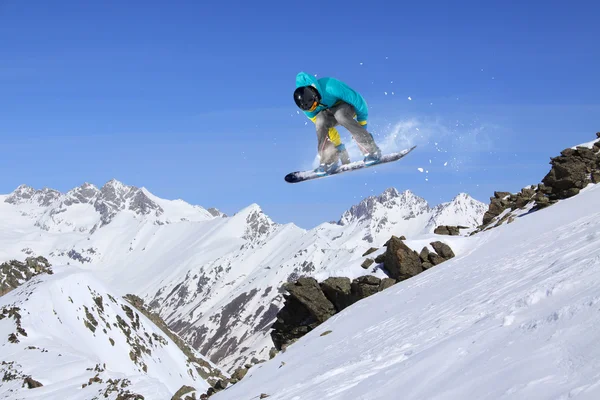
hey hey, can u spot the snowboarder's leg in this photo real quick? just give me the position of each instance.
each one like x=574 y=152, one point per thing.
x=325 y=122
x=344 y=114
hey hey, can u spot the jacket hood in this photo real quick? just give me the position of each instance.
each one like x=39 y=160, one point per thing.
x=304 y=79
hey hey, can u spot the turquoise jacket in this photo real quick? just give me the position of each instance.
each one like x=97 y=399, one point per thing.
x=332 y=92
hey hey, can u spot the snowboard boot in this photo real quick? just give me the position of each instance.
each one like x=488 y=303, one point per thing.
x=326 y=169
x=372 y=158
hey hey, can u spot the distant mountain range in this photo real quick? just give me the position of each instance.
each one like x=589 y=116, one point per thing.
x=214 y=278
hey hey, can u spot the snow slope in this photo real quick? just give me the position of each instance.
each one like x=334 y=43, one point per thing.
x=67 y=328
x=214 y=279
x=514 y=316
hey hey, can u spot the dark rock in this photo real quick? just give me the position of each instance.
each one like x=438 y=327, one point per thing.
x=338 y=292
x=239 y=373
x=371 y=250
x=32 y=383
x=586 y=153
x=364 y=287
x=182 y=391
x=596 y=177
x=570 y=171
x=521 y=202
x=567 y=152
x=443 y=250
x=435 y=259
x=386 y=283
x=308 y=292
x=427 y=265
x=272 y=353
x=598 y=134
x=497 y=206
x=540 y=198
x=488 y=217
x=527 y=193
x=424 y=254
x=397 y=238
x=447 y=230
x=221 y=384
x=305 y=308
x=571 y=192
x=501 y=195
x=400 y=261
x=380 y=258
x=367 y=263
x=544 y=189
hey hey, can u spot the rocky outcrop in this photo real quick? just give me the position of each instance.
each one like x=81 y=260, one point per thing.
x=401 y=261
x=309 y=303
x=338 y=291
x=448 y=230
x=309 y=293
x=14 y=273
x=216 y=213
x=207 y=371
x=571 y=171
x=238 y=375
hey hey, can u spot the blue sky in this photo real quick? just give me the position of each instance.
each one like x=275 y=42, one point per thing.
x=194 y=100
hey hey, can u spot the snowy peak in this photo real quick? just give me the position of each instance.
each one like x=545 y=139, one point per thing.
x=374 y=207
x=116 y=196
x=84 y=194
x=463 y=210
x=87 y=208
x=26 y=194
x=405 y=214
x=257 y=224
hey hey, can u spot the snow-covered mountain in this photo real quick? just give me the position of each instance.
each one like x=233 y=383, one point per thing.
x=514 y=316
x=66 y=335
x=406 y=213
x=87 y=208
x=215 y=279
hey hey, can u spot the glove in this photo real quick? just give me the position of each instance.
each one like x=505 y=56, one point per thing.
x=363 y=124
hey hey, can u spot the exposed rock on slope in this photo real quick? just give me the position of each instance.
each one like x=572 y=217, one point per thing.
x=572 y=171
x=209 y=372
x=309 y=303
x=448 y=230
x=15 y=273
x=69 y=338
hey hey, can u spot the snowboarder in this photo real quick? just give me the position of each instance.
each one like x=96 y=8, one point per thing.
x=329 y=102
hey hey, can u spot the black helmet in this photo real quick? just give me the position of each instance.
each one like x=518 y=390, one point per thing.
x=306 y=96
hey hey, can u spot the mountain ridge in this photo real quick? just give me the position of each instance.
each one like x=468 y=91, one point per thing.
x=214 y=279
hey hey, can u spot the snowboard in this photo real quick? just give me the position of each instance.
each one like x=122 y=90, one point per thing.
x=301 y=176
